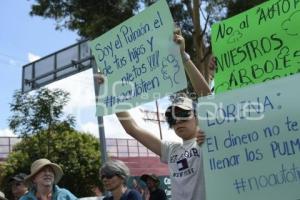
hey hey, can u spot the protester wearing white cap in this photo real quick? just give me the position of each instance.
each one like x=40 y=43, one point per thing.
x=42 y=180
x=184 y=159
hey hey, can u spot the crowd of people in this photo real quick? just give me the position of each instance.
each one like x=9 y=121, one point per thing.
x=41 y=183
x=184 y=159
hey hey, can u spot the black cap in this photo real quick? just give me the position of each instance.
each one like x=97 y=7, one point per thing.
x=18 y=177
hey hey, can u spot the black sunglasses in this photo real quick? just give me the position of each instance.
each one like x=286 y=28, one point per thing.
x=173 y=116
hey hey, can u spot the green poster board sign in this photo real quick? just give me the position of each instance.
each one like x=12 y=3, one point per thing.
x=140 y=61
x=258 y=45
x=252 y=147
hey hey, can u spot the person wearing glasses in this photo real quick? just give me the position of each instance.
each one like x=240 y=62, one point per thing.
x=114 y=175
x=184 y=159
x=18 y=187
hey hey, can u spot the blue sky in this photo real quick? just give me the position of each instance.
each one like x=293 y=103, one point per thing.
x=24 y=38
x=21 y=38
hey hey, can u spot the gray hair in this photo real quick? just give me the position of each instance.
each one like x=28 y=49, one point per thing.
x=117 y=167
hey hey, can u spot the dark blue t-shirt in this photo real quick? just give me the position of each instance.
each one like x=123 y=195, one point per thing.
x=128 y=195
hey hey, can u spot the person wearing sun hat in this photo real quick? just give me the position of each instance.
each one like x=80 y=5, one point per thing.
x=42 y=181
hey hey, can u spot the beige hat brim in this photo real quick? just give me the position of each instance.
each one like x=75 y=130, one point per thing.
x=58 y=173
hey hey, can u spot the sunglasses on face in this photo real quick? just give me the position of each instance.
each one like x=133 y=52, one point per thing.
x=175 y=115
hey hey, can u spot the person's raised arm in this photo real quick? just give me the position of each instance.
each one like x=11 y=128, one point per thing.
x=198 y=81
x=132 y=128
x=140 y=134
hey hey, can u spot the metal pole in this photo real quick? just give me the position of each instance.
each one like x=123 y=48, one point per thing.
x=158 y=119
x=102 y=139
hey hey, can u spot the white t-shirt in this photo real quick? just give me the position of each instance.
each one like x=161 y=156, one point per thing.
x=186 y=169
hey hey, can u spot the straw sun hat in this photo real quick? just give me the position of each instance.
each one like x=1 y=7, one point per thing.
x=37 y=165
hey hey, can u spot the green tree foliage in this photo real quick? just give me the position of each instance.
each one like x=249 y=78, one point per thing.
x=47 y=133
x=90 y=18
x=77 y=153
x=237 y=6
x=42 y=110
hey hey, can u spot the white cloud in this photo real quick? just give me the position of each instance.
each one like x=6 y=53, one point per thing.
x=113 y=128
x=81 y=89
x=90 y=127
x=6 y=133
x=32 y=57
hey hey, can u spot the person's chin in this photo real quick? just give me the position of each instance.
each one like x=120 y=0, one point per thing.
x=107 y=187
x=48 y=182
x=181 y=131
